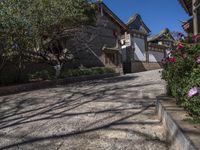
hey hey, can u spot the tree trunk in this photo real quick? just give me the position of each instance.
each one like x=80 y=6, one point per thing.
x=58 y=70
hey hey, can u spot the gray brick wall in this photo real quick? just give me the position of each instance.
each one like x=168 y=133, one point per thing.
x=90 y=54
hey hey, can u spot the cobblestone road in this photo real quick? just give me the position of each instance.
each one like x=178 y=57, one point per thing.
x=111 y=114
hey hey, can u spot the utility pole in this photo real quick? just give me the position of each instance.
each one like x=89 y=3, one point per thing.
x=195 y=6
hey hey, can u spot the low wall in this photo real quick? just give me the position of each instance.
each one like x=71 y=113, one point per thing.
x=182 y=134
x=144 y=66
x=48 y=84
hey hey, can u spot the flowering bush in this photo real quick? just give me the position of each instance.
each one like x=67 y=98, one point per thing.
x=182 y=73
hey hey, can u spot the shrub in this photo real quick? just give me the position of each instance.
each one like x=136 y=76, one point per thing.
x=182 y=73
x=12 y=75
x=13 y=79
x=85 y=72
x=40 y=75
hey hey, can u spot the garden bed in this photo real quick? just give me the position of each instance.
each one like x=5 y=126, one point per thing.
x=42 y=72
x=182 y=73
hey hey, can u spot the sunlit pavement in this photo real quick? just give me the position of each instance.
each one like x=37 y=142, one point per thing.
x=111 y=114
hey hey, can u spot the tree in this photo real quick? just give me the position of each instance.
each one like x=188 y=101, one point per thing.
x=32 y=28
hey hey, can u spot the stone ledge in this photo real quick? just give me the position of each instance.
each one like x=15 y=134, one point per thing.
x=48 y=84
x=182 y=134
x=139 y=66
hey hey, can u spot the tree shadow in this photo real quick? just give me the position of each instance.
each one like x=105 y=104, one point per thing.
x=107 y=101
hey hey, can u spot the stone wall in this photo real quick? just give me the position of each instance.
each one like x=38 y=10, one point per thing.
x=88 y=48
x=144 y=66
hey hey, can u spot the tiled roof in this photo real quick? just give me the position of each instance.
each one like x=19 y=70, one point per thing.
x=160 y=35
x=135 y=22
x=112 y=15
x=187 y=5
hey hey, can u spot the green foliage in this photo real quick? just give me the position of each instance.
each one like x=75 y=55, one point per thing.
x=13 y=76
x=40 y=75
x=86 y=72
x=11 y=80
x=33 y=72
x=192 y=120
x=26 y=24
x=184 y=75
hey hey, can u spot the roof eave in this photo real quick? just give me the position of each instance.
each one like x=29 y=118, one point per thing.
x=185 y=7
x=112 y=15
x=137 y=16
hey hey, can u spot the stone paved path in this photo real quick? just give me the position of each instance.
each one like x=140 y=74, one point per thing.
x=110 y=114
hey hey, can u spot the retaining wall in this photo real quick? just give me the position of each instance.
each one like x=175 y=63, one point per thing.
x=144 y=66
x=48 y=84
x=182 y=134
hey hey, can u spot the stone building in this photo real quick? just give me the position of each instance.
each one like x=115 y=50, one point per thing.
x=98 y=45
x=138 y=53
x=114 y=44
x=163 y=38
x=161 y=42
x=135 y=44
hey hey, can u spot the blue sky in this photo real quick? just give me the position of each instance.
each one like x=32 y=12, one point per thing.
x=157 y=14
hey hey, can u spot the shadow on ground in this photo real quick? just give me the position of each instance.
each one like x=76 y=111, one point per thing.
x=87 y=107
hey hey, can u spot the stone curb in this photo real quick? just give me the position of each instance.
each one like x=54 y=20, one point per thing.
x=48 y=84
x=175 y=133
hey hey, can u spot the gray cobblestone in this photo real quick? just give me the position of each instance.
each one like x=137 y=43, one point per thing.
x=115 y=113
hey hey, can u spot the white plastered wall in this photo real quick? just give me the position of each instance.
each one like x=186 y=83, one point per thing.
x=140 y=53
x=155 y=56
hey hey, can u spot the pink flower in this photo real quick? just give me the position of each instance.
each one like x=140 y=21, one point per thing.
x=180 y=46
x=194 y=38
x=193 y=91
x=172 y=59
x=198 y=59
